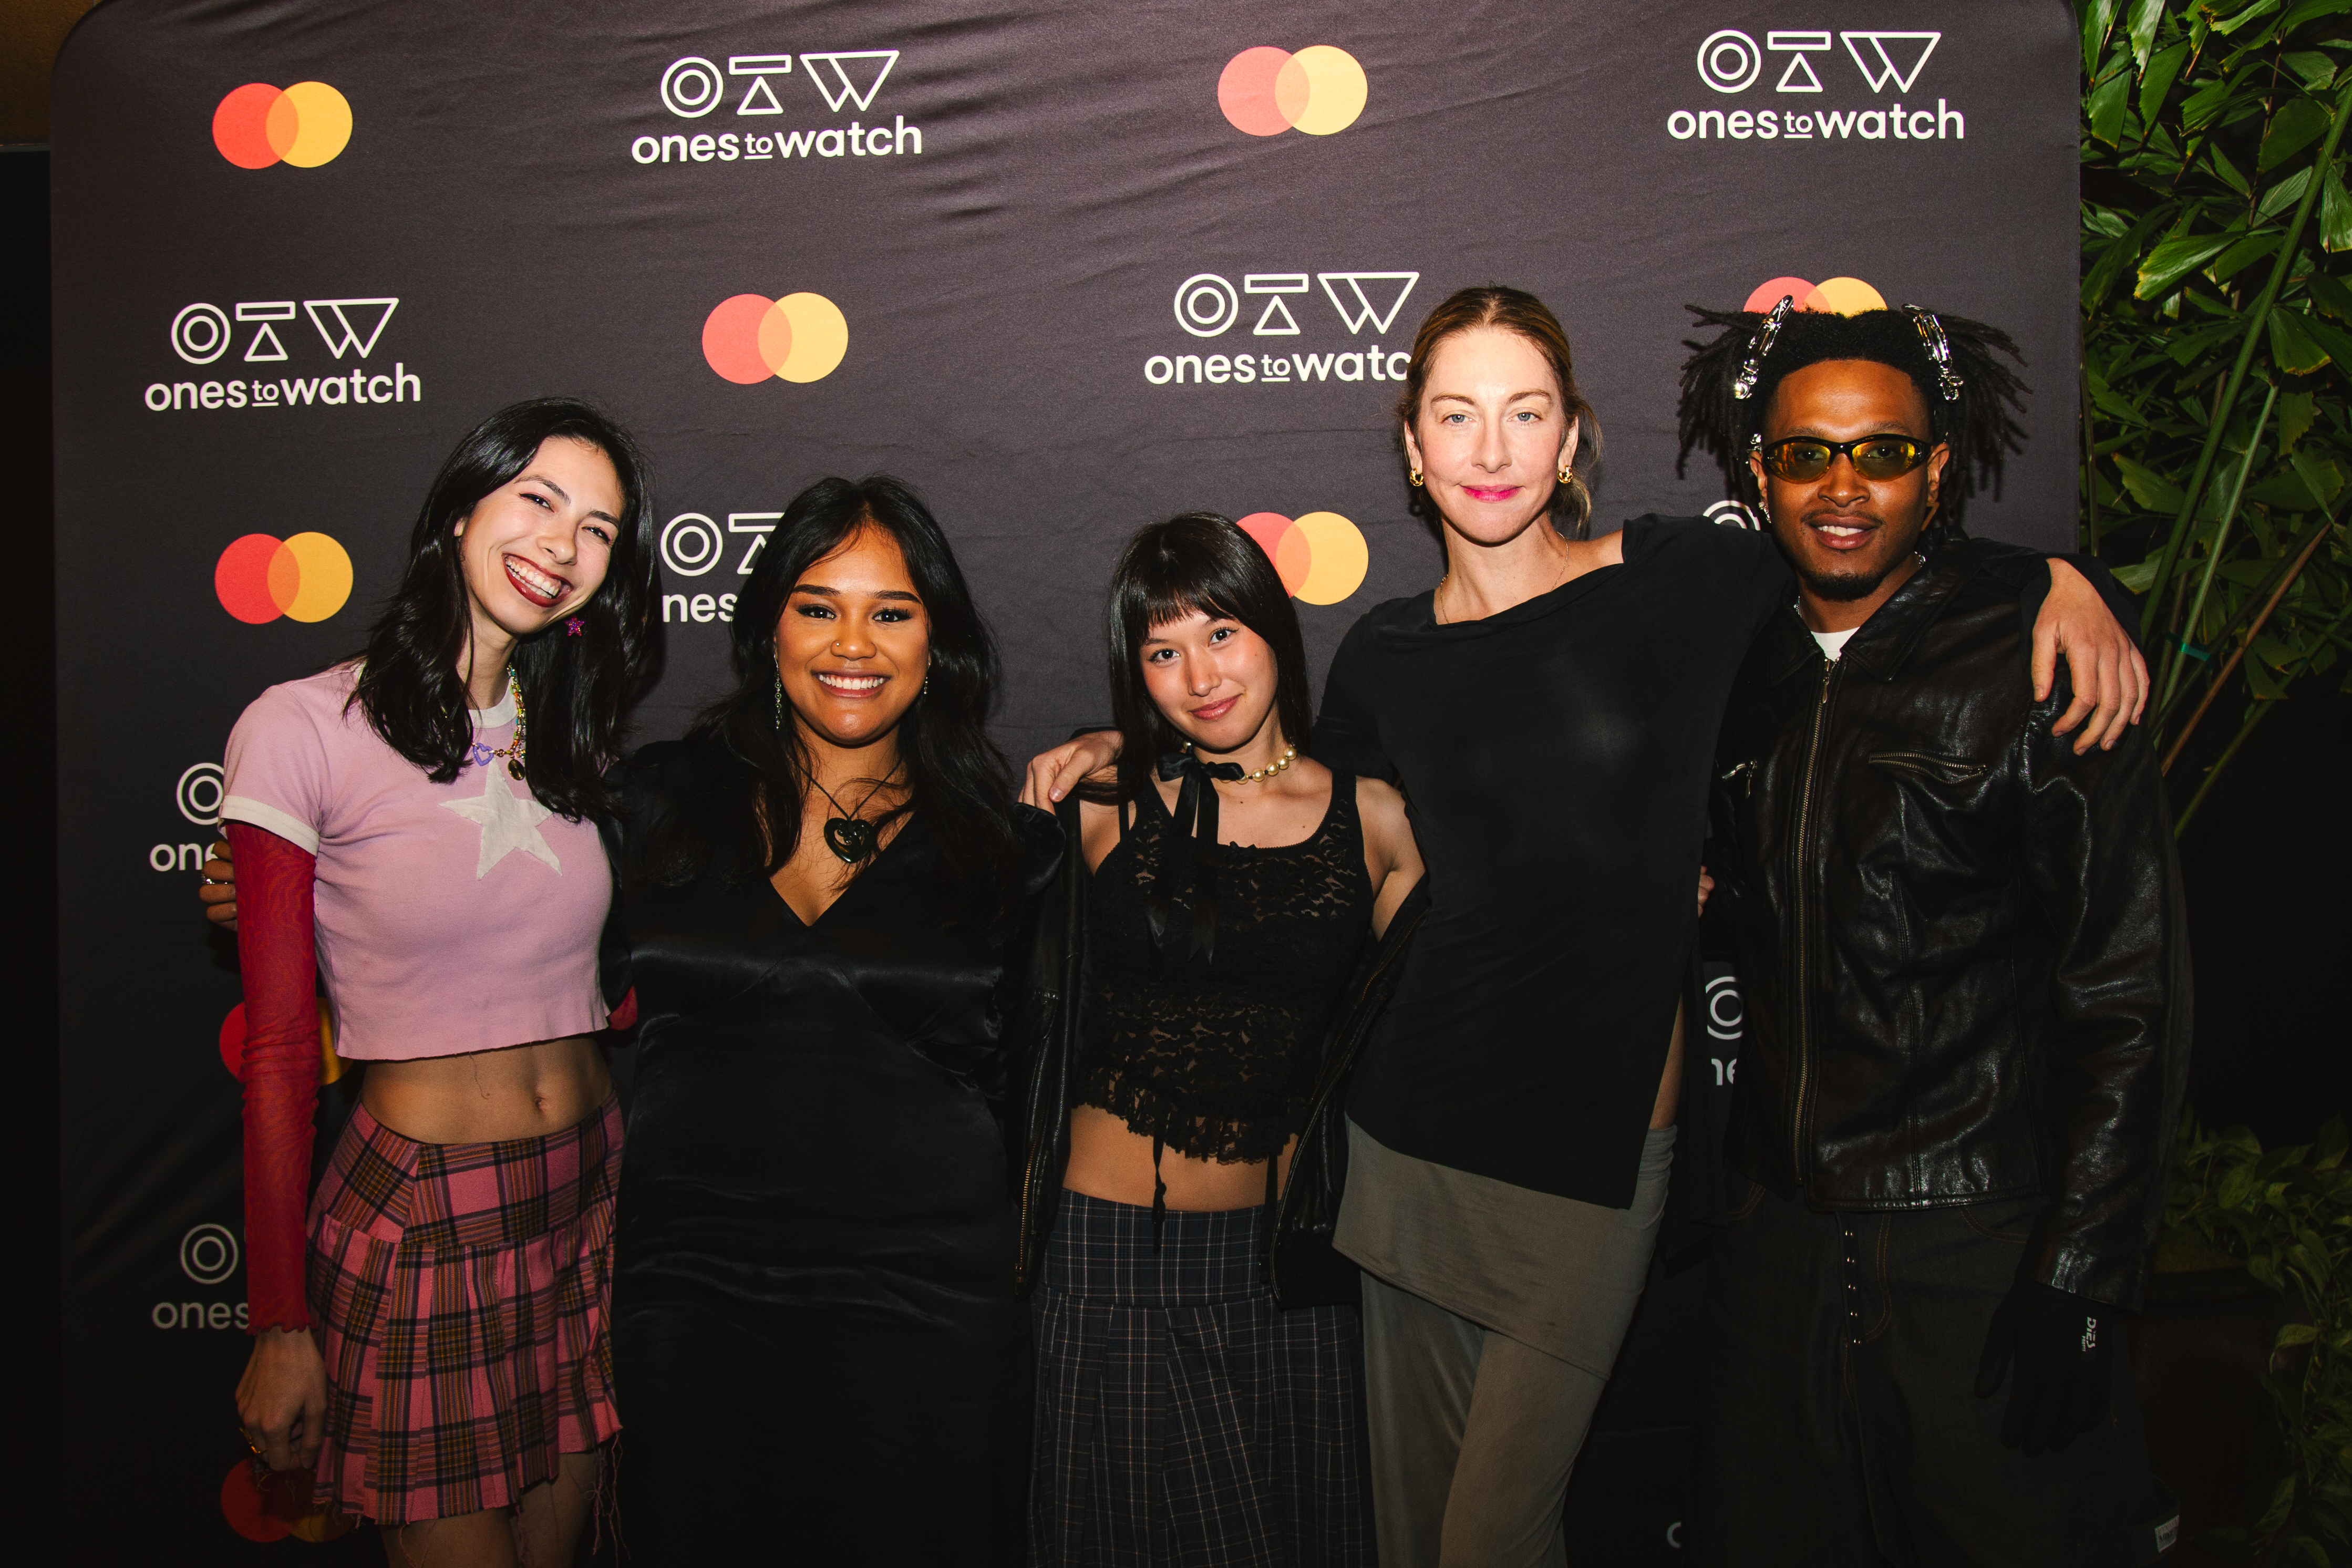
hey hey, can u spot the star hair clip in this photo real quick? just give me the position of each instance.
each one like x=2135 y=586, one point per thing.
x=1744 y=385
x=1939 y=349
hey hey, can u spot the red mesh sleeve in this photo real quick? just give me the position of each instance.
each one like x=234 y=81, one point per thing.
x=277 y=951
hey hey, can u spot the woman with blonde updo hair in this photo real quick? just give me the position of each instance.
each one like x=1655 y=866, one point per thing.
x=1549 y=709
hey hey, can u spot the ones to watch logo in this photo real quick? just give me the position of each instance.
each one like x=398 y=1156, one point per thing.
x=202 y=333
x=750 y=338
x=198 y=797
x=693 y=87
x=1207 y=305
x=1730 y=61
x=259 y=578
x=306 y=125
x=1321 y=556
x=1266 y=91
x=693 y=542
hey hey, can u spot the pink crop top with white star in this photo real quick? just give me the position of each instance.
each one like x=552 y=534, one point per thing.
x=451 y=918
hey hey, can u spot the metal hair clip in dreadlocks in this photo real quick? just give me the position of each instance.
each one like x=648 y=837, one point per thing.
x=1745 y=384
x=1931 y=334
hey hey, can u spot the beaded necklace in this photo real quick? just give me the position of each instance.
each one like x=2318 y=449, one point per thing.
x=513 y=749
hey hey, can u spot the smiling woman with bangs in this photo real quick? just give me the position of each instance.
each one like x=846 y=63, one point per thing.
x=1225 y=887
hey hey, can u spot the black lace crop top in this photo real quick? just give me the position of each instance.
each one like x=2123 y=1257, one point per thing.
x=1215 y=1055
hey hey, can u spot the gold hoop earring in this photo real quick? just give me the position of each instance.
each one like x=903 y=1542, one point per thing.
x=1565 y=473
x=1413 y=478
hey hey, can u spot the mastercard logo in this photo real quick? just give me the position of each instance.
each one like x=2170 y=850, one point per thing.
x=306 y=125
x=1321 y=556
x=1838 y=296
x=1266 y=91
x=305 y=578
x=751 y=337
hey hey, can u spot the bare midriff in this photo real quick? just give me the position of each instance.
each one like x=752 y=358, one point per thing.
x=1110 y=1161
x=489 y=1097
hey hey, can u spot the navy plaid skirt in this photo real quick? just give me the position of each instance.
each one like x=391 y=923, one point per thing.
x=1182 y=1419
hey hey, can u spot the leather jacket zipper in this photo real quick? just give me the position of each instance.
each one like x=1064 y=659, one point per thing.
x=1801 y=855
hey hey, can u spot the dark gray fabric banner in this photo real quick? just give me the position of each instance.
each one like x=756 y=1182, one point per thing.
x=1065 y=268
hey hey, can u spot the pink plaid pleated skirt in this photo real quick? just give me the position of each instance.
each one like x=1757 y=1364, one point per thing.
x=462 y=1294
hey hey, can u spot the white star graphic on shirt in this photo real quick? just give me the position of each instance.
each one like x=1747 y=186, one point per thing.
x=509 y=822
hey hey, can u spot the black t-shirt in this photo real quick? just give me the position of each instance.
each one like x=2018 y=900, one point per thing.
x=1555 y=760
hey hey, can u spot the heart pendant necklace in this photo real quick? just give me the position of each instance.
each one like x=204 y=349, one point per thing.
x=849 y=835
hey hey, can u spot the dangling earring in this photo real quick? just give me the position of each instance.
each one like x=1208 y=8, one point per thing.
x=926 y=691
x=1413 y=478
x=780 y=702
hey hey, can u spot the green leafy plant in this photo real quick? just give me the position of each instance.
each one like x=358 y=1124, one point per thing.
x=2216 y=469
x=2285 y=1216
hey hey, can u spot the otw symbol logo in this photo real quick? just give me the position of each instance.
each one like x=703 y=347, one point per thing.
x=801 y=337
x=692 y=86
x=1321 y=556
x=1729 y=61
x=305 y=578
x=1266 y=91
x=306 y=125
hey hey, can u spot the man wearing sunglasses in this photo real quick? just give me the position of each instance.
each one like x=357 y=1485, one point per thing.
x=1960 y=949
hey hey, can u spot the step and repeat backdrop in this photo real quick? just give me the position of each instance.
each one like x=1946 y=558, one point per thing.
x=1065 y=268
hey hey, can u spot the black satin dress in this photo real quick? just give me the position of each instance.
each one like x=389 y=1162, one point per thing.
x=817 y=1352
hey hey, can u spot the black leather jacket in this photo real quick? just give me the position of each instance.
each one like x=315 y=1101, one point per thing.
x=1961 y=945
x=1047 y=1031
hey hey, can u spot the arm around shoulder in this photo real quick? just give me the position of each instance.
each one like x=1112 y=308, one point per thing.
x=1391 y=856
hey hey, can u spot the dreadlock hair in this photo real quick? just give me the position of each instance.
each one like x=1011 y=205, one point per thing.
x=1978 y=425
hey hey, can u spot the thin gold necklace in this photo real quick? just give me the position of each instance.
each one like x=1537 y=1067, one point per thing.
x=1565 y=561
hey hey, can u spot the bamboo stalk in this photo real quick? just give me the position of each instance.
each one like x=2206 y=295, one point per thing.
x=2255 y=321
x=2287 y=559
x=2090 y=471
x=2213 y=557
x=2238 y=653
x=2262 y=711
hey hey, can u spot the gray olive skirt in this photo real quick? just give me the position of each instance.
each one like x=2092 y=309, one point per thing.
x=1552 y=1272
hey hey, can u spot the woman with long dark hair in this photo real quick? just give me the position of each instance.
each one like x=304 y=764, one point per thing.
x=1550 y=708
x=1233 y=882
x=828 y=899
x=420 y=826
